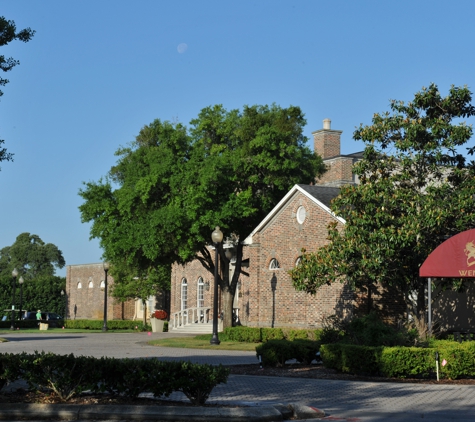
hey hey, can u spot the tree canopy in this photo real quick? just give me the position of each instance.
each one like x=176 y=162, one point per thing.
x=36 y=261
x=8 y=33
x=174 y=184
x=31 y=256
x=416 y=189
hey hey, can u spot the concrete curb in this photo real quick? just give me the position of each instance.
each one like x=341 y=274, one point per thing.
x=277 y=412
x=149 y=413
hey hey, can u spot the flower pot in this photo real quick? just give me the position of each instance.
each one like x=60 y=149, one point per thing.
x=157 y=325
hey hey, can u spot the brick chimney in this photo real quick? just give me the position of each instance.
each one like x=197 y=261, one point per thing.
x=326 y=142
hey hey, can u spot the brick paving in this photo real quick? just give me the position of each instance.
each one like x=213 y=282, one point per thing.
x=343 y=400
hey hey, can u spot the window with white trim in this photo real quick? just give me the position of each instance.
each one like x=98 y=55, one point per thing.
x=184 y=294
x=301 y=215
x=274 y=264
x=200 y=290
x=298 y=260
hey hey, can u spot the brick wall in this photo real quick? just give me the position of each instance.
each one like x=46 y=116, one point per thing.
x=339 y=172
x=269 y=297
x=85 y=298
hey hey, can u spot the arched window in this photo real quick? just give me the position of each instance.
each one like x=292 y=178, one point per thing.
x=103 y=285
x=200 y=290
x=91 y=285
x=79 y=285
x=298 y=260
x=184 y=294
x=274 y=264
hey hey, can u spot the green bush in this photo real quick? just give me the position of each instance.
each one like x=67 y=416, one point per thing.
x=402 y=362
x=66 y=375
x=271 y=334
x=305 y=351
x=197 y=381
x=277 y=352
x=243 y=334
x=70 y=375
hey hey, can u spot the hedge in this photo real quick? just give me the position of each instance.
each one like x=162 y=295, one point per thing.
x=277 y=352
x=260 y=335
x=87 y=324
x=456 y=360
x=69 y=375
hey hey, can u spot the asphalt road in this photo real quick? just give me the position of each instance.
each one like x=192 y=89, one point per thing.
x=341 y=400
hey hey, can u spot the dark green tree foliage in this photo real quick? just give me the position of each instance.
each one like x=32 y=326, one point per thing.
x=172 y=186
x=36 y=262
x=8 y=33
x=31 y=257
x=416 y=190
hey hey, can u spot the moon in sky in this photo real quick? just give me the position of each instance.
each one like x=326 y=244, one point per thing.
x=182 y=48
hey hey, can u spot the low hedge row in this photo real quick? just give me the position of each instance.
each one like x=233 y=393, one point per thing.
x=69 y=375
x=87 y=324
x=277 y=352
x=260 y=335
x=456 y=360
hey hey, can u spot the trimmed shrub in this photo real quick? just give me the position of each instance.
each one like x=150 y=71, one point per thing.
x=197 y=381
x=275 y=352
x=69 y=375
x=66 y=375
x=243 y=334
x=271 y=334
x=401 y=362
x=305 y=351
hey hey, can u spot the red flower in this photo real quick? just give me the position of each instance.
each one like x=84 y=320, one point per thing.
x=160 y=314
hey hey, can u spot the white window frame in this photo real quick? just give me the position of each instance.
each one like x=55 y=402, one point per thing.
x=274 y=264
x=184 y=294
x=200 y=292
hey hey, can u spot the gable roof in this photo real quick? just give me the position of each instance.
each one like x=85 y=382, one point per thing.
x=319 y=195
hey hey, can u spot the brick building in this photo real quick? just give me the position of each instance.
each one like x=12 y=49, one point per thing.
x=85 y=296
x=266 y=298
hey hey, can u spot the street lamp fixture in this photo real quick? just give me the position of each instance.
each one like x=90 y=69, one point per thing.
x=106 y=270
x=216 y=237
x=14 y=276
x=21 y=281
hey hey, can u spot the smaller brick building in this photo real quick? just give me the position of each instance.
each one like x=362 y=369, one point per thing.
x=85 y=296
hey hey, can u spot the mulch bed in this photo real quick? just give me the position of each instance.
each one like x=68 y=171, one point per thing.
x=295 y=370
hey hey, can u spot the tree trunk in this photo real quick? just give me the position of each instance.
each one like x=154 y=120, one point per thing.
x=227 y=300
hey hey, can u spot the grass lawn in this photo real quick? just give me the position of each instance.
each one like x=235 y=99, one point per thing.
x=200 y=343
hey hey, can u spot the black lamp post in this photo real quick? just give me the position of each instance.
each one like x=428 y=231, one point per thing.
x=106 y=269
x=217 y=237
x=63 y=296
x=21 y=281
x=14 y=276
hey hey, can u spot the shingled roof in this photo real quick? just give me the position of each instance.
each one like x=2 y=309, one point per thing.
x=323 y=193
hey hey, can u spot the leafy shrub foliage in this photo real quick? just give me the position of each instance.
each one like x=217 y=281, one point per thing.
x=277 y=352
x=259 y=335
x=70 y=375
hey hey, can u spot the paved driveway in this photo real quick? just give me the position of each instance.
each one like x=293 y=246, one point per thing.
x=342 y=400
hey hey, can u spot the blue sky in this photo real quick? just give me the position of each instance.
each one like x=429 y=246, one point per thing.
x=97 y=71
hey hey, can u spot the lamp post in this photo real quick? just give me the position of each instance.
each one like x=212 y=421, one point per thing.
x=216 y=237
x=21 y=281
x=14 y=276
x=63 y=296
x=106 y=269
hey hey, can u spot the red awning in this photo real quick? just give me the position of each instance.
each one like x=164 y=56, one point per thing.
x=453 y=258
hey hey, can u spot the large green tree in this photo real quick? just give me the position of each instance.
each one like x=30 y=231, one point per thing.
x=36 y=261
x=8 y=33
x=173 y=185
x=416 y=189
